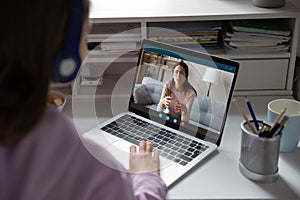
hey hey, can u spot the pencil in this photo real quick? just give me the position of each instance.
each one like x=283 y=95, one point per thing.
x=284 y=120
x=278 y=117
x=252 y=113
x=244 y=116
x=277 y=129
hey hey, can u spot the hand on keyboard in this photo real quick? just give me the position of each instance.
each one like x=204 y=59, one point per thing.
x=143 y=160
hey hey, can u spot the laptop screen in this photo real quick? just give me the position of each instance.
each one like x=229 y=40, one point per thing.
x=183 y=89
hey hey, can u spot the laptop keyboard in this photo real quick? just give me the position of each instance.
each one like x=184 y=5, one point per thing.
x=171 y=145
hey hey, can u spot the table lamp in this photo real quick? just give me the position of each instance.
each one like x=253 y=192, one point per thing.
x=212 y=76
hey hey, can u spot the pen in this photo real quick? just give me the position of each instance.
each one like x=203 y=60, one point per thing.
x=252 y=113
x=244 y=116
x=274 y=131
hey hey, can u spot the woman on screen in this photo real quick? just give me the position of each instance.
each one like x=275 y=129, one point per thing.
x=178 y=95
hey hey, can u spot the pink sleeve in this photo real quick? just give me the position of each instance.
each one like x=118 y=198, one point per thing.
x=148 y=186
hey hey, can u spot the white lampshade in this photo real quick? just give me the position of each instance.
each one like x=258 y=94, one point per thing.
x=212 y=75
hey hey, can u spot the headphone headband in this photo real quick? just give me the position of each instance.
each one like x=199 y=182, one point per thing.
x=67 y=62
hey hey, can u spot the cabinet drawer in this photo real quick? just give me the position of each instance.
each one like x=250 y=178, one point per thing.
x=262 y=74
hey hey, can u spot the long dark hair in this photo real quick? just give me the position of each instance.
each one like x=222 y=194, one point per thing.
x=30 y=40
x=186 y=84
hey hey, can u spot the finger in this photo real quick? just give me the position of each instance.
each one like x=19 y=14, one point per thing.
x=142 y=145
x=156 y=154
x=169 y=98
x=149 y=147
x=132 y=151
x=167 y=103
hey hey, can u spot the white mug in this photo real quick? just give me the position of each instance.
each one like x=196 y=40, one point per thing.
x=291 y=133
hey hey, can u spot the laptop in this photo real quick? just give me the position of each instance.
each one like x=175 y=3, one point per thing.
x=182 y=143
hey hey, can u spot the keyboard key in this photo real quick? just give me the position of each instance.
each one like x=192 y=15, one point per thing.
x=195 y=154
x=120 y=135
x=181 y=151
x=185 y=158
x=163 y=154
x=179 y=139
x=187 y=153
x=173 y=153
x=177 y=144
x=129 y=139
x=184 y=146
x=170 y=157
x=166 y=139
x=177 y=160
x=191 y=149
x=175 y=148
x=156 y=140
x=183 y=162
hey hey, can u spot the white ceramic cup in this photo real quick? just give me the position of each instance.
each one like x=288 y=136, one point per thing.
x=291 y=133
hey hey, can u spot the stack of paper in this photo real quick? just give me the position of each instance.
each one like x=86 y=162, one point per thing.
x=187 y=37
x=256 y=36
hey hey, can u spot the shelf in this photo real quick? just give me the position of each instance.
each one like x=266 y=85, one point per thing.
x=121 y=37
x=114 y=11
x=263 y=73
x=99 y=56
x=222 y=53
x=106 y=29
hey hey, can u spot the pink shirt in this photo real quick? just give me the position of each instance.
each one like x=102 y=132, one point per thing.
x=185 y=97
x=52 y=163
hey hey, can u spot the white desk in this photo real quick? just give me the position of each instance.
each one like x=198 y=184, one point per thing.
x=217 y=177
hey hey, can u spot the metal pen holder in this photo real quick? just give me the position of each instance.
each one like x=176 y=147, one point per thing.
x=259 y=155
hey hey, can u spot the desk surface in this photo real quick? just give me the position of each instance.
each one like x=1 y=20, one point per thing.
x=217 y=177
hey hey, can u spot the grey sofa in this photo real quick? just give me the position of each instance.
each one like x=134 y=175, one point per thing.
x=206 y=111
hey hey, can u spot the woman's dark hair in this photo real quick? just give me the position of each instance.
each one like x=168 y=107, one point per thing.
x=30 y=40
x=186 y=84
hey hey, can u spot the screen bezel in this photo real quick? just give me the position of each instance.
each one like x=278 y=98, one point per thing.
x=177 y=52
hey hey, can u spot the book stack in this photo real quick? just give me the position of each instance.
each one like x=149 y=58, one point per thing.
x=255 y=36
x=193 y=38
